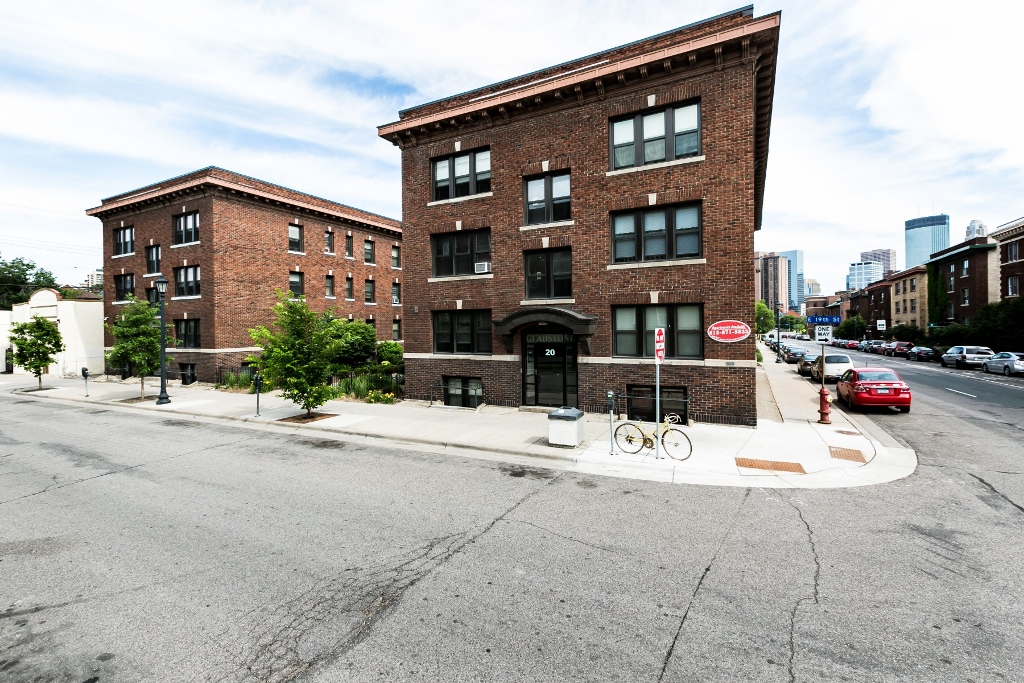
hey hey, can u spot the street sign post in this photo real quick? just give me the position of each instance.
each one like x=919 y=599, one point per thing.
x=659 y=358
x=823 y=335
x=880 y=325
x=824 y=320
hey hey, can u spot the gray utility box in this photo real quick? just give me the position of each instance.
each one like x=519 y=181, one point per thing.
x=565 y=427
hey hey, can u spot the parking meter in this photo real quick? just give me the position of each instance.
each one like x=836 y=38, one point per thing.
x=257 y=383
x=85 y=375
x=611 y=422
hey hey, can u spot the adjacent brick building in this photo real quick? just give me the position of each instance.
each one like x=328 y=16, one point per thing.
x=226 y=242
x=1010 y=240
x=967 y=278
x=553 y=220
x=873 y=303
x=910 y=297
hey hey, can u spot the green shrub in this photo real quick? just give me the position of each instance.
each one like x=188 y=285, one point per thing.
x=375 y=396
x=390 y=353
x=758 y=356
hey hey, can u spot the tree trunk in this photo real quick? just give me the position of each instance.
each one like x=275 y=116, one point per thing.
x=142 y=386
x=40 y=378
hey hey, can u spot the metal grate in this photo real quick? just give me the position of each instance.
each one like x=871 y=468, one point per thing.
x=771 y=465
x=850 y=454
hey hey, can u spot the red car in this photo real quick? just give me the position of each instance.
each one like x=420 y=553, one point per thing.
x=852 y=344
x=867 y=387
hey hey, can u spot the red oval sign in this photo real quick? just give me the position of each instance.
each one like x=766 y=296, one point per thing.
x=729 y=331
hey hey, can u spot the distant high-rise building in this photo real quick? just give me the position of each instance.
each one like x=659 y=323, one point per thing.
x=771 y=279
x=863 y=274
x=976 y=229
x=887 y=257
x=924 y=237
x=94 y=279
x=796 y=277
x=812 y=288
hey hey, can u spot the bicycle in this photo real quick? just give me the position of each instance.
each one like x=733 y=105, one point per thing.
x=630 y=437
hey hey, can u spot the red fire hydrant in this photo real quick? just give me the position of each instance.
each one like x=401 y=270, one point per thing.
x=824 y=406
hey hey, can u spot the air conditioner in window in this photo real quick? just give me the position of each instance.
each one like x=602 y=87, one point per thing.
x=483 y=267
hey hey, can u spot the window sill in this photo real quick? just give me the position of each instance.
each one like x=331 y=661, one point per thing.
x=369 y=303
x=541 y=226
x=369 y=264
x=330 y=297
x=297 y=253
x=396 y=267
x=120 y=303
x=130 y=253
x=394 y=304
x=454 y=278
x=184 y=244
x=153 y=275
x=546 y=302
x=654 y=264
x=186 y=298
x=461 y=199
x=351 y=258
x=660 y=164
x=349 y=299
x=329 y=253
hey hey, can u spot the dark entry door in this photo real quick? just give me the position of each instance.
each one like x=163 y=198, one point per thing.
x=549 y=373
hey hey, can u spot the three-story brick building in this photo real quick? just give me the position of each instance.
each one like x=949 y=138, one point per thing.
x=226 y=242
x=554 y=220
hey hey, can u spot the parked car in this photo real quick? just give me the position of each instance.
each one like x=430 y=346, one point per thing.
x=922 y=353
x=862 y=345
x=897 y=349
x=803 y=337
x=834 y=365
x=804 y=366
x=1007 y=362
x=863 y=387
x=875 y=346
x=966 y=356
x=794 y=354
x=851 y=344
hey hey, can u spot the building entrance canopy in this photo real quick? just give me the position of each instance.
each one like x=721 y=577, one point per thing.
x=582 y=325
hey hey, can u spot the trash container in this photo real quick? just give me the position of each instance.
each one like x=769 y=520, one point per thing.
x=565 y=427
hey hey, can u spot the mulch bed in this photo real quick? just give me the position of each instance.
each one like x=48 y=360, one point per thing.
x=302 y=419
x=137 y=399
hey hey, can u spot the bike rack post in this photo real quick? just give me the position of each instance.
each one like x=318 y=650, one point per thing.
x=611 y=422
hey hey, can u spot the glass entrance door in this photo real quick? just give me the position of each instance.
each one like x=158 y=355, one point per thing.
x=549 y=373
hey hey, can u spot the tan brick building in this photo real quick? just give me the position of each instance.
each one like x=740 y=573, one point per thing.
x=226 y=242
x=909 y=297
x=1010 y=238
x=554 y=220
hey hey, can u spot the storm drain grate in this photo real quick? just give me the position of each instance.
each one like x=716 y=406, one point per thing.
x=772 y=465
x=850 y=454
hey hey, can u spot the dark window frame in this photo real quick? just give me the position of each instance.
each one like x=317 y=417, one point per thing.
x=302 y=284
x=549 y=274
x=372 y=249
x=638 y=139
x=187 y=373
x=396 y=256
x=187 y=334
x=183 y=284
x=452 y=260
x=182 y=233
x=369 y=292
x=469 y=396
x=480 y=333
x=153 y=264
x=329 y=286
x=396 y=329
x=296 y=244
x=396 y=293
x=124 y=285
x=348 y=247
x=475 y=182
x=350 y=289
x=671 y=331
x=124 y=240
x=671 y=233
x=152 y=295
x=328 y=241
x=552 y=205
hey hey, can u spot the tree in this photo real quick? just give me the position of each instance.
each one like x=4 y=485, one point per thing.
x=19 y=278
x=389 y=352
x=300 y=356
x=907 y=333
x=793 y=323
x=136 y=331
x=357 y=344
x=999 y=325
x=764 y=319
x=851 y=328
x=36 y=345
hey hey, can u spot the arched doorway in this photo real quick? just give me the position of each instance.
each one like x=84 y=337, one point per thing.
x=550 y=374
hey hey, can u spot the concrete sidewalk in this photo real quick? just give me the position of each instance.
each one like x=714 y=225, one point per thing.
x=788 y=449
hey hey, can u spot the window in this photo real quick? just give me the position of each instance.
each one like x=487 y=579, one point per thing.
x=458 y=253
x=547 y=199
x=329 y=242
x=657 y=235
x=963 y=268
x=152 y=296
x=296 y=284
x=1013 y=251
x=548 y=274
x=396 y=330
x=396 y=257
x=462 y=331
x=348 y=246
x=666 y=135
x=153 y=260
x=950 y=283
x=468 y=174
x=348 y=289
x=329 y=286
x=124 y=285
x=187 y=333
x=464 y=392
x=897 y=306
x=913 y=284
x=1013 y=285
x=295 y=238
x=949 y=311
x=913 y=305
x=952 y=267
x=369 y=292
x=187 y=373
x=633 y=330
x=186 y=228
x=964 y=296
x=640 y=402
x=372 y=323
x=369 y=256
x=396 y=293
x=124 y=241
x=186 y=281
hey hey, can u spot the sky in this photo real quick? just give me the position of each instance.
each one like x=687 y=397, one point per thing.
x=883 y=111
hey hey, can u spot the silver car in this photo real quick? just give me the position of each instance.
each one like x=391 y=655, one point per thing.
x=966 y=356
x=1007 y=362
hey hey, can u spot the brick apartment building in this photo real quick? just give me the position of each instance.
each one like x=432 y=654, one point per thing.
x=226 y=242
x=1010 y=239
x=873 y=303
x=827 y=304
x=969 y=277
x=553 y=220
x=910 y=297
x=771 y=280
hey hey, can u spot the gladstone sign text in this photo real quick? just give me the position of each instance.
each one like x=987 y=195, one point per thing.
x=729 y=331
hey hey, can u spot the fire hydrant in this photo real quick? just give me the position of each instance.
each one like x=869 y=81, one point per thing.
x=824 y=406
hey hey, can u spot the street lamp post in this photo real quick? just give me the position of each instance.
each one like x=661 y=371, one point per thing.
x=778 y=334
x=163 y=398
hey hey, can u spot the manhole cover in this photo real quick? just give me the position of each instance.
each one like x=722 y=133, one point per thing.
x=771 y=465
x=847 y=432
x=850 y=454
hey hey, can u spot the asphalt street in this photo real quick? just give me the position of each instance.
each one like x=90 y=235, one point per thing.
x=138 y=548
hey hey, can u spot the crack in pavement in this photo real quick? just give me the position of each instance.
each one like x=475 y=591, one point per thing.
x=996 y=491
x=555 y=533
x=700 y=582
x=800 y=601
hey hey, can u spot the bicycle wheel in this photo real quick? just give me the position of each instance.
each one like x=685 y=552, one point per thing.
x=676 y=444
x=629 y=437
